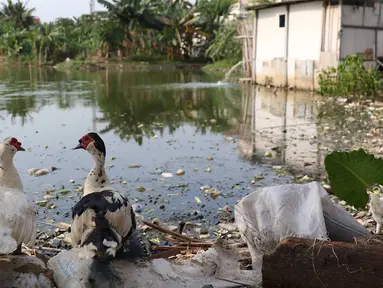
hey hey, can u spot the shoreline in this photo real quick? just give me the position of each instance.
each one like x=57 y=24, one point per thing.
x=134 y=64
x=74 y=65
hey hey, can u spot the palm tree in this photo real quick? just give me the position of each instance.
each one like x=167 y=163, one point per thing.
x=19 y=13
x=48 y=37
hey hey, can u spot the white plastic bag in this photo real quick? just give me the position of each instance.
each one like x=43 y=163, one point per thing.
x=271 y=214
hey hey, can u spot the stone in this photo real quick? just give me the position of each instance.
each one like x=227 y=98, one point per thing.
x=24 y=271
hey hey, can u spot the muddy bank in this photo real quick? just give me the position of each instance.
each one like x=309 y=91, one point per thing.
x=125 y=66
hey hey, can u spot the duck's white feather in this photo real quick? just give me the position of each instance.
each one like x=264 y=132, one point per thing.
x=18 y=215
x=376 y=207
x=120 y=221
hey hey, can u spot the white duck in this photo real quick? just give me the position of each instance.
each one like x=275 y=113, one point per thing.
x=376 y=208
x=103 y=220
x=17 y=213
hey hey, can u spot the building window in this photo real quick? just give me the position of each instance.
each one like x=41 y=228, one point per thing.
x=282 y=21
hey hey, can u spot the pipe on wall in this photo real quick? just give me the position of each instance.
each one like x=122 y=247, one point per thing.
x=324 y=17
x=255 y=35
x=287 y=44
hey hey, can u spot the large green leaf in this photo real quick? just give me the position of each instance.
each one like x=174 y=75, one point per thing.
x=351 y=173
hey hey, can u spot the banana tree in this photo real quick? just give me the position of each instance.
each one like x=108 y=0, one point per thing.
x=19 y=13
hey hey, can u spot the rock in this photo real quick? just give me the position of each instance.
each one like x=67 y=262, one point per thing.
x=180 y=172
x=24 y=271
x=210 y=158
x=208 y=286
x=72 y=181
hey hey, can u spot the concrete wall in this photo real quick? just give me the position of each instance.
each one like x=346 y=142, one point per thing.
x=304 y=44
x=355 y=40
x=271 y=47
x=362 y=16
x=305 y=40
x=362 y=30
x=299 y=55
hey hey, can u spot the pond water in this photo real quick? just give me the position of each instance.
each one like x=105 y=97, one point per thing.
x=156 y=122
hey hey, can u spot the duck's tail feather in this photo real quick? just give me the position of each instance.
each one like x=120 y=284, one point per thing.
x=7 y=243
x=104 y=275
x=101 y=241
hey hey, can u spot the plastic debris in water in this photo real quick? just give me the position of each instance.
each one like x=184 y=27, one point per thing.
x=167 y=175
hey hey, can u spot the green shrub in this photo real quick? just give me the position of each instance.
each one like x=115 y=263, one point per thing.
x=225 y=45
x=350 y=78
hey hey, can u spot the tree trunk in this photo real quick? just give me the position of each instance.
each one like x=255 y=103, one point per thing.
x=317 y=264
x=40 y=53
x=46 y=55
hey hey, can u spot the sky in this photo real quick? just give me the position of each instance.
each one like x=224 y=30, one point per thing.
x=49 y=10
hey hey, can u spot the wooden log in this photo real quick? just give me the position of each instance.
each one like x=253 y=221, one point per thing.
x=167 y=231
x=167 y=253
x=318 y=264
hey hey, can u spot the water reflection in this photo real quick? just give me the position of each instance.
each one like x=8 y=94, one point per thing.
x=167 y=120
x=297 y=128
x=281 y=125
x=131 y=104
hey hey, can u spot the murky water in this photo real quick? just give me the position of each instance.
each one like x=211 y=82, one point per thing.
x=159 y=122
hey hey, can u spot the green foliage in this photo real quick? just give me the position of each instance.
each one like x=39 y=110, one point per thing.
x=350 y=78
x=212 y=14
x=128 y=28
x=224 y=44
x=17 y=12
x=352 y=173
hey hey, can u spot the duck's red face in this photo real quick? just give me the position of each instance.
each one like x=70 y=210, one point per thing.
x=15 y=143
x=84 y=142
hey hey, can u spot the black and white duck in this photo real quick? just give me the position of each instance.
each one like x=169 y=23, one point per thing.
x=103 y=220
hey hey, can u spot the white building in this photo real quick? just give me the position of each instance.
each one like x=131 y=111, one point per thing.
x=293 y=40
